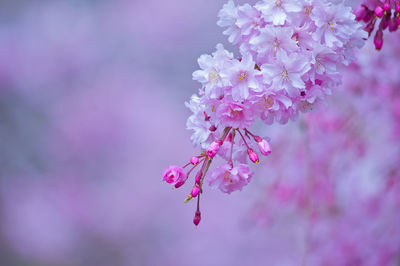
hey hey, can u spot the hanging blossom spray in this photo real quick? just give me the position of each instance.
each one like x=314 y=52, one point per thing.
x=290 y=52
x=386 y=13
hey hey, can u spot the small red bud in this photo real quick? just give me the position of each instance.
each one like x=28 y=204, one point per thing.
x=195 y=191
x=253 y=156
x=194 y=160
x=379 y=11
x=197 y=218
x=378 y=40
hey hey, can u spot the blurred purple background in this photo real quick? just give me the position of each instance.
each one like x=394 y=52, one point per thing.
x=91 y=111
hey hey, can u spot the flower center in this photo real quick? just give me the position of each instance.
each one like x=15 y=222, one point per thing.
x=243 y=76
x=228 y=177
x=308 y=10
x=212 y=76
x=285 y=74
x=319 y=62
x=332 y=25
x=234 y=112
x=268 y=102
x=276 y=45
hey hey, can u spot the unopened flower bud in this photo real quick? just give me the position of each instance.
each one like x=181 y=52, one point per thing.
x=253 y=156
x=386 y=6
x=378 y=40
x=198 y=177
x=397 y=6
x=179 y=184
x=379 y=11
x=197 y=218
x=213 y=148
x=174 y=175
x=263 y=146
x=361 y=12
x=195 y=191
x=393 y=25
x=194 y=160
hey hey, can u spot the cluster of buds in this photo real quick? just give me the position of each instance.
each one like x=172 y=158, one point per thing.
x=227 y=178
x=387 y=11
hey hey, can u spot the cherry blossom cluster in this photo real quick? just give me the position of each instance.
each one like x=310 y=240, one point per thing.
x=386 y=13
x=290 y=52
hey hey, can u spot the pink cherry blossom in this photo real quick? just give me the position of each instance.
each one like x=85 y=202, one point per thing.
x=290 y=53
x=276 y=11
x=272 y=41
x=286 y=73
x=236 y=115
x=228 y=179
x=174 y=174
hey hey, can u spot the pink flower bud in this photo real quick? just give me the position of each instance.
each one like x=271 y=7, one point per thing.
x=386 y=6
x=393 y=25
x=213 y=128
x=213 y=148
x=253 y=156
x=361 y=12
x=194 y=160
x=378 y=40
x=179 y=184
x=195 y=191
x=197 y=218
x=384 y=22
x=174 y=175
x=379 y=11
x=397 y=6
x=198 y=177
x=263 y=146
x=369 y=16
